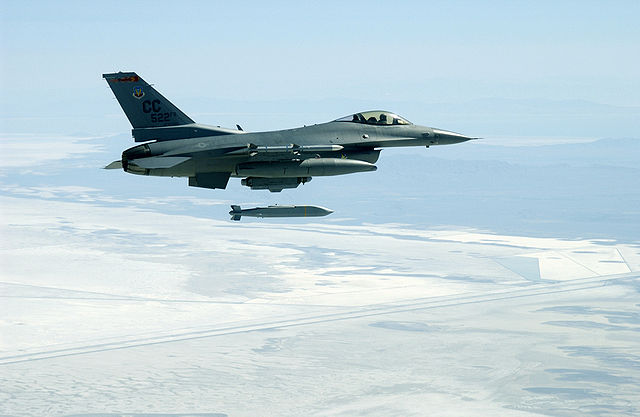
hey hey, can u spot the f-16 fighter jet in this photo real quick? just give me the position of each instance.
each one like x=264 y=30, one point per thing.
x=176 y=146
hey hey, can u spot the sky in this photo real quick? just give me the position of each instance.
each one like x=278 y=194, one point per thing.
x=372 y=53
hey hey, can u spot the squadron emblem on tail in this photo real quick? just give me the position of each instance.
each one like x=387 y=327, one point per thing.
x=137 y=92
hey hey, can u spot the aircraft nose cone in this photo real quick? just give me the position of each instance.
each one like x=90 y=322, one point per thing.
x=445 y=136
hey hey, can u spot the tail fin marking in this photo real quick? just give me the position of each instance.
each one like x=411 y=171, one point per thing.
x=142 y=104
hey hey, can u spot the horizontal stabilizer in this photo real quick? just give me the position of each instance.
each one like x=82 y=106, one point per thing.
x=114 y=165
x=236 y=209
x=236 y=217
x=155 y=162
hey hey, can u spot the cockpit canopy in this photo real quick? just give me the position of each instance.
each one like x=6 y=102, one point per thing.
x=375 y=117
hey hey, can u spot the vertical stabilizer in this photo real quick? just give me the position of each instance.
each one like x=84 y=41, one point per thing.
x=143 y=105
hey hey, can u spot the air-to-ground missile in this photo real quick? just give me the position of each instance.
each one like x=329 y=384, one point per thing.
x=279 y=211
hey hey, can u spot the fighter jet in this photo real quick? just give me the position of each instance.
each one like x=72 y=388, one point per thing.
x=176 y=146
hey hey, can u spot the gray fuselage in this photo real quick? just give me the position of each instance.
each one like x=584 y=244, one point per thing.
x=359 y=142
